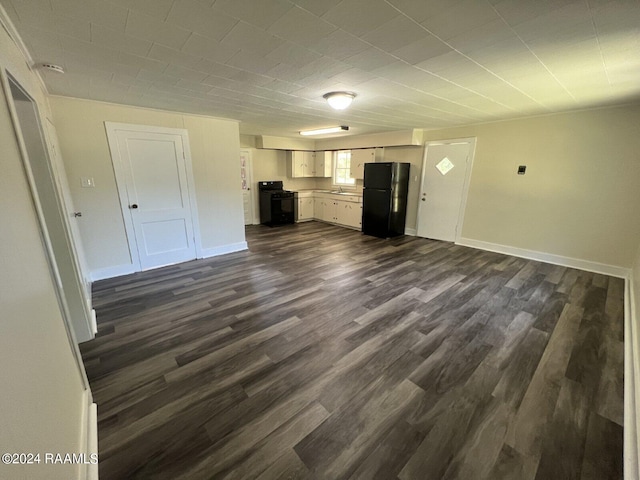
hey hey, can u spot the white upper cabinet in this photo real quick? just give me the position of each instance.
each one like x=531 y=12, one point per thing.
x=300 y=164
x=324 y=164
x=361 y=156
x=308 y=164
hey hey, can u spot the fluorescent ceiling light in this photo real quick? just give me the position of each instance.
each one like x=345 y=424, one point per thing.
x=339 y=100
x=321 y=131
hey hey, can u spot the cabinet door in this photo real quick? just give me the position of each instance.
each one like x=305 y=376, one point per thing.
x=342 y=212
x=318 y=208
x=330 y=211
x=305 y=208
x=358 y=158
x=355 y=215
x=295 y=164
x=309 y=162
x=300 y=208
x=324 y=210
x=324 y=164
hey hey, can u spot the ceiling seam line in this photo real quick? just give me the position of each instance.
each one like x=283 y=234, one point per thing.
x=595 y=29
x=534 y=54
x=468 y=58
x=406 y=63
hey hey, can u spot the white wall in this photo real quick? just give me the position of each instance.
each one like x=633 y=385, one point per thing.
x=580 y=195
x=214 y=149
x=43 y=397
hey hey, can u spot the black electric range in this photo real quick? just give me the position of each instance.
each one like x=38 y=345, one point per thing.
x=277 y=206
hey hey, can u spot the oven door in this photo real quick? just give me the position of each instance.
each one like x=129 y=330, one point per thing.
x=282 y=210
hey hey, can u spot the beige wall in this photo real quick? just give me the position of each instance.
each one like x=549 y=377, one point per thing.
x=580 y=195
x=214 y=149
x=42 y=398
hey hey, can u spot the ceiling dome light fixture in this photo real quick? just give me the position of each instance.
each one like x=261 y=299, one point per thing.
x=339 y=100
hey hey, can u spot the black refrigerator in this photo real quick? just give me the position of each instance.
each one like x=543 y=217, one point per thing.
x=384 y=199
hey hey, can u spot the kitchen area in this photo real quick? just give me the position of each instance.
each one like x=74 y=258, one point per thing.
x=309 y=173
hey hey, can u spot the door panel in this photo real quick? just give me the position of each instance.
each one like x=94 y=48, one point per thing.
x=376 y=206
x=378 y=176
x=158 y=196
x=165 y=236
x=156 y=174
x=439 y=211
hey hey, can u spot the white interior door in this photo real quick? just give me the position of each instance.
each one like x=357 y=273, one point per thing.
x=57 y=233
x=72 y=214
x=445 y=176
x=246 y=182
x=156 y=195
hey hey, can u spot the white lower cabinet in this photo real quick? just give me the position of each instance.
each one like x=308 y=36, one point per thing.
x=306 y=210
x=339 y=210
x=325 y=210
x=349 y=214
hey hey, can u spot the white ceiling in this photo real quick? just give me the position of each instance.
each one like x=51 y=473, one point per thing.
x=267 y=63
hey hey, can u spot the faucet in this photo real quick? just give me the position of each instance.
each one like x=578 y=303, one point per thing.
x=340 y=188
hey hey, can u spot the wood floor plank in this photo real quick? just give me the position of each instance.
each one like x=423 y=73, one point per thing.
x=602 y=461
x=321 y=353
x=562 y=456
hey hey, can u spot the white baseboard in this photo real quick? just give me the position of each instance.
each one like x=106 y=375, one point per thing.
x=92 y=441
x=232 y=247
x=111 y=272
x=94 y=322
x=88 y=442
x=410 y=231
x=611 y=270
x=631 y=384
x=119 y=270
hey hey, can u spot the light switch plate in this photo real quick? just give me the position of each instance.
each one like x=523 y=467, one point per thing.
x=87 y=182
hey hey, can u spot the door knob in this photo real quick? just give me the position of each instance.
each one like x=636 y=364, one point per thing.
x=134 y=206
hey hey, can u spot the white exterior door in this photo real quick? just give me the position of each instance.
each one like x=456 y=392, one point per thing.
x=445 y=176
x=154 y=193
x=246 y=182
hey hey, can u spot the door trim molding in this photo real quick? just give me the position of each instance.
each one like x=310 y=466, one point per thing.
x=254 y=220
x=465 y=185
x=118 y=168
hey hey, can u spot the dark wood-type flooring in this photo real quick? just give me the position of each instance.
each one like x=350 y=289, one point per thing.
x=323 y=353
